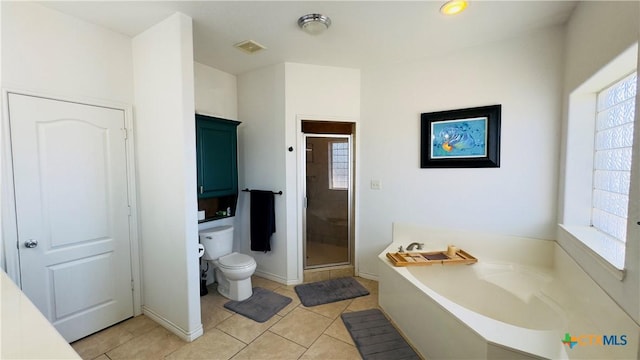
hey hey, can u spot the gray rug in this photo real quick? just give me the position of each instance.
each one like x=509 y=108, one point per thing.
x=375 y=337
x=327 y=291
x=261 y=306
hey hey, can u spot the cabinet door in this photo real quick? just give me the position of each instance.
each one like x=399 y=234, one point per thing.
x=216 y=142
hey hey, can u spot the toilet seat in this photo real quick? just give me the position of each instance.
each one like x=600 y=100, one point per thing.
x=236 y=261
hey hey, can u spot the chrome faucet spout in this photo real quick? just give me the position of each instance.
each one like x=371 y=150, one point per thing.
x=414 y=244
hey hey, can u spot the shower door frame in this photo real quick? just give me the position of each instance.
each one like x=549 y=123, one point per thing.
x=349 y=201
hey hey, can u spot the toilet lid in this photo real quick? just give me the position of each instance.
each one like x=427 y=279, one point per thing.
x=236 y=260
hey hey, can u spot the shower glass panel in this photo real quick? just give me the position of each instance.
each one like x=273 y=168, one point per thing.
x=328 y=187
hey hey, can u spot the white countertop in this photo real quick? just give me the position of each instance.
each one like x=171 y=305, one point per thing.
x=24 y=332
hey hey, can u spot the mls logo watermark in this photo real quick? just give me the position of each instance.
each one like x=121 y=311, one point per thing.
x=594 y=340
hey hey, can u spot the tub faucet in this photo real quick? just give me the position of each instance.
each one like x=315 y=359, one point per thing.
x=410 y=246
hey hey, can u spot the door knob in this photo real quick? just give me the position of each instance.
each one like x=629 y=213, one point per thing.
x=31 y=243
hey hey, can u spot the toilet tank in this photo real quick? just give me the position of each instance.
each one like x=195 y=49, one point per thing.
x=217 y=241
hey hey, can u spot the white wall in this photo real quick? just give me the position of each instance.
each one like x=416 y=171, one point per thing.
x=321 y=91
x=311 y=93
x=272 y=101
x=524 y=74
x=261 y=161
x=216 y=92
x=54 y=54
x=165 y=148
x=596 y=34
x=46 y=51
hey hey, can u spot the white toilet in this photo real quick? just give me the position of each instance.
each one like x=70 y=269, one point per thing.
x=232 y=270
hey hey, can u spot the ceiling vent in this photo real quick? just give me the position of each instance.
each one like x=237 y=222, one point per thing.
x=249 y=46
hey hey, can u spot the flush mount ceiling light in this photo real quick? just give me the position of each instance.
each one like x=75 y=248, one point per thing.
x=249 y=46
x=453 y=7
x=314 y=24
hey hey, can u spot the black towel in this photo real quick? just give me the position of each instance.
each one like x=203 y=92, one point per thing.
x=263 y=220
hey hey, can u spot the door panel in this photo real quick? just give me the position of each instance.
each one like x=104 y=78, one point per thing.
x=84 y=218
x=71 y=197
x=70 y=298
x=215 y=151
x=216 y=142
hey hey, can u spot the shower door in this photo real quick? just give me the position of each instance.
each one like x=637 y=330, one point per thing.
x=327 y=216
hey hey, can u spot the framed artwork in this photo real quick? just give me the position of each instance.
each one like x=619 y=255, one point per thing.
x=462 y=138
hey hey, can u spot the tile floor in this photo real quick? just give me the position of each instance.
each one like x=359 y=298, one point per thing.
x=296 y=332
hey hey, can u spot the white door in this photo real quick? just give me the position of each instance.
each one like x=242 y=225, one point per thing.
x=72 y=208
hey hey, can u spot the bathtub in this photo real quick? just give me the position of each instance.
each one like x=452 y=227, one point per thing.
x=512 y=303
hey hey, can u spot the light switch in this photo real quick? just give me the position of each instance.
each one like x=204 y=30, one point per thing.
x=376 y=185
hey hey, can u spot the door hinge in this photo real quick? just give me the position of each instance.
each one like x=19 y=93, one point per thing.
x=131 y=284
x=125 y=133
x=129 y=210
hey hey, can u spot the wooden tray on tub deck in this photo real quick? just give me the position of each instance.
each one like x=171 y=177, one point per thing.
x=430 y=258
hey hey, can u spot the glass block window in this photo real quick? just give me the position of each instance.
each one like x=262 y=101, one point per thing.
x=612 y=157
x=339 y=165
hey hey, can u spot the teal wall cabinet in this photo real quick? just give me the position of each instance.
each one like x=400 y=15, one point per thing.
x=217 y=156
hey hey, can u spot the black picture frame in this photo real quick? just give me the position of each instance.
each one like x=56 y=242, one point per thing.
x=461 y=138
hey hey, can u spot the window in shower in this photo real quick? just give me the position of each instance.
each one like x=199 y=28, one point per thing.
x=338 y=165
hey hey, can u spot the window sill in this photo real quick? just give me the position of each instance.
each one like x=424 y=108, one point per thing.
x=600 y=247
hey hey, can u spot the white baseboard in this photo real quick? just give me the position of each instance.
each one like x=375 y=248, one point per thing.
x=368 y=276
x=187 y=336
x=277 y=278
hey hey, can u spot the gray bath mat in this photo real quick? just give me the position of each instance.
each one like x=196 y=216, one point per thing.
x=375 y=337
x=327 y=291
x=261 y=306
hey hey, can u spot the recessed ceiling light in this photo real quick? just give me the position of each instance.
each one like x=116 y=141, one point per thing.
x=453 y=7
x=249 y=46
x=314 y=24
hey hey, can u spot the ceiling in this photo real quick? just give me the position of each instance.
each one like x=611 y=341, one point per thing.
x=363 y=33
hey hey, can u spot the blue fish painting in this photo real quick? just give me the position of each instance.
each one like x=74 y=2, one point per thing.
x=459 y=138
